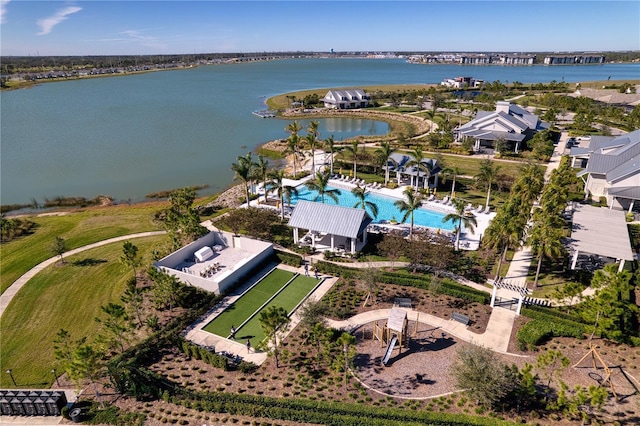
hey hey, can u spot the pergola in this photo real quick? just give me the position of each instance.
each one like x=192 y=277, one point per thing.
x=601 y=232
x=329 y=225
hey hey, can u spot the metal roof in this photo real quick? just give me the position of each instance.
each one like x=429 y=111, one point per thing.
x=601 y=231
x=630 y=192
x=329 y=218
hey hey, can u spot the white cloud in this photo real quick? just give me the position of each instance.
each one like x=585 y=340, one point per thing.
x=47 y=24
x=3 y=10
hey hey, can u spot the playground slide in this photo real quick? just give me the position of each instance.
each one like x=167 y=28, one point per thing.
x=387 y=354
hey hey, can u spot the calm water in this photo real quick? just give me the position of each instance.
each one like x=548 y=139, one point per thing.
x=386 y=208
x=129 y=136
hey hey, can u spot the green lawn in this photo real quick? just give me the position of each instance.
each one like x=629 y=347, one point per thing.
x=287 y=299
x=242 y=309
x=68 y=297
x=77 y=229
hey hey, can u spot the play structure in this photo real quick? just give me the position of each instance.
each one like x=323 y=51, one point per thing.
x=393 y=333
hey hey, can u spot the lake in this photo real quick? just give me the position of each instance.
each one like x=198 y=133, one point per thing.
x=132 y=135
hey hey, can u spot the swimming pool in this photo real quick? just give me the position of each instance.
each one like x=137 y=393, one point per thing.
x=387 y=211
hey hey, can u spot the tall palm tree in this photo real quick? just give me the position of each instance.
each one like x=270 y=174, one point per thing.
x=277 y=184
x=352 y=150
x=454 y=172
x=243 y=169
x=362 y=202
x=313 y=128
x=506 y=229
x=487 y=175
x=312 y=141
x=293 y=128
x=462 y=218
x=330 y=145
x=529 y=183
x=261 y=172
x=320 y=183
x=545 y=238
x=412 y=202
x=293 y=149
x=420 y=165
x=385 y=151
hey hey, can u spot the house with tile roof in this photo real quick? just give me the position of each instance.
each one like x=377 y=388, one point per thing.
x=509 y=122
x=611 y=169
x=346 y=99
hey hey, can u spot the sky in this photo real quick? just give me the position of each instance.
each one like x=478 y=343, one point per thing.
x=44 y=28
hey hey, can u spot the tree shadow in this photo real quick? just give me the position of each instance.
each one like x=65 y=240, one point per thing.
x=88 y=262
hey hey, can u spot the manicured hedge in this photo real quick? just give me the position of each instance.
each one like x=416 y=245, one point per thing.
x=447 y=286
x=545 y=325
x=198 y=352
x=321 y=412
x=289 y=258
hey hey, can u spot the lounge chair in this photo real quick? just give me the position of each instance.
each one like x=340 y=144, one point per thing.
x=480 y=208
x=445 y=200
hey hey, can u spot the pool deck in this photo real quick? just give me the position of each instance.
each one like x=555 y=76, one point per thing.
x=197 y=335
x=468 y=241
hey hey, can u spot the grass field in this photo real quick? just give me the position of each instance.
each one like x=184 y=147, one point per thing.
x=288 y=299
x=246 y=305
x=68 y=297
x=77 y=229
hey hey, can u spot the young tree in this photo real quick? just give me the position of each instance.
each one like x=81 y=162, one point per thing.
x=392 y=246
x=181 y=219
x=87 y=365
x=59 y=247
x=482 y=374
x=130 y=258
x=133 y=300
x=115 y=326
x=165 y=288
x=274 y=321
x=347 y=342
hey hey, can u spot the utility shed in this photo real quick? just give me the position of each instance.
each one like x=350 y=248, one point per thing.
x=602 y=232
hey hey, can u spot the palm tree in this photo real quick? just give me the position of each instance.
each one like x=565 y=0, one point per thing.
x=454 y=172
x=506 y=229
x=420 y=165
x=463 y=218
x=545 y=238
x=293 y=128
x=277 y=184
x=243 y=170
x=320 y=183
x=274 y=320
x=385 y=151
x=261 y=172
x=352 y=150
x=330 y=145
x=312 y=141
x=293 y=149
x=529 y=183
x=361 y=195
x=487 y=176
x=409 y=206
x=430 y=115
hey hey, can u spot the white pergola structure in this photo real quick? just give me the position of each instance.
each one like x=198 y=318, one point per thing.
x=602 y=232
x=329 y=225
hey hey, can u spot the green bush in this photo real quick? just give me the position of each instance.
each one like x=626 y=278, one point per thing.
x=289 y=258
x=447 y=286
x=538 y=331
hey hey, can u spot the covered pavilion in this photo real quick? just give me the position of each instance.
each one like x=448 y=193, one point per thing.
x=601 y=232
x=330 y=227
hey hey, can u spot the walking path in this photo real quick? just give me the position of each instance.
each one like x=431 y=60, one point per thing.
x=13 y=289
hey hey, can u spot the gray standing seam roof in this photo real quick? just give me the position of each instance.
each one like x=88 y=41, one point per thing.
x=601 y=231
x=329 y=218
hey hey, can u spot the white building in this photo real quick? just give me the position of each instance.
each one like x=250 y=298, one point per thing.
x=346 y=99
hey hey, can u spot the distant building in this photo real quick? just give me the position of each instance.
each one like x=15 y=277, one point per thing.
x=508 y=122
x=573 y=59
x=611 y=168
x=346 y=99
x=461 y=82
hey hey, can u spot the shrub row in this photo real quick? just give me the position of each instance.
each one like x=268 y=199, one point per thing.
x=538 y=331
x=336 y=270
x=546 y=324
x=321 y=412
x=289 y=258
x=447 y=286
x=204 y=354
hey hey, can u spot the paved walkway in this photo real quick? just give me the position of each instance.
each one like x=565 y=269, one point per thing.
x=13 y=289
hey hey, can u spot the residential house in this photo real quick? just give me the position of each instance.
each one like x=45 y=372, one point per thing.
x=402 y=165
x=611 y=169
x=509 y=122
x=346 y=99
